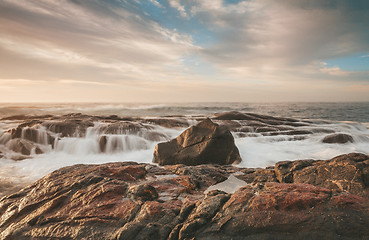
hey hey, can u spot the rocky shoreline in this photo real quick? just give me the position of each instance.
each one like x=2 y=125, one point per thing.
x=194 y=192
x=304 y=199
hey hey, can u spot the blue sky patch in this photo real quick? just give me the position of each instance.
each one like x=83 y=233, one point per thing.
x=357 y=62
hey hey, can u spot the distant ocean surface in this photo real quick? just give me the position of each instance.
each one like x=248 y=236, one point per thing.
x=257 y=149
x=340 y=111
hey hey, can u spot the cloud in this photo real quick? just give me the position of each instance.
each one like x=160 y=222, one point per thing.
x=156 y=3
x=260 y=36
x=180 y=8
x=110 y=37
x=176 y=50
x=334 y=71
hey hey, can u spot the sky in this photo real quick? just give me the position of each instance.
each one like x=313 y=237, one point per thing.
x=184 y=50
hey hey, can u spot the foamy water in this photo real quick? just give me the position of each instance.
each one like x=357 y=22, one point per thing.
x=256 y=150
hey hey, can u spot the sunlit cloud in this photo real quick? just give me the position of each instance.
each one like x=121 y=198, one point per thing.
x=176 y=50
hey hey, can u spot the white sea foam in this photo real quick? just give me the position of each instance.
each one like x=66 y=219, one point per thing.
x=138 y=146
x=265 y=151
x=231 y=185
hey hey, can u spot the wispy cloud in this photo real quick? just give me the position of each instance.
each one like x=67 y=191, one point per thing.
x=180 y=8
x=156 y=3
x=266 y=35
x=181 y=49
x=90 y=33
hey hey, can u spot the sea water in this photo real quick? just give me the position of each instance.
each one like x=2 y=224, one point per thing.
x=256 y=151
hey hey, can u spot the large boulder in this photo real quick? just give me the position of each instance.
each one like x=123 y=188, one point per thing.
x=338 y=138
x=203 y=143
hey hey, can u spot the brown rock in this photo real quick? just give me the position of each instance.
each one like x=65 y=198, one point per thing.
x=103 y=140
x=23 y=146
x=168 y=122
x=123 y=127
x=68 y=127
x=258 y=175
x=144 y=192
x=338 y=138
x=204 y=143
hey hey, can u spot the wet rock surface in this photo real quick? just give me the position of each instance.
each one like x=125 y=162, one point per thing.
x=306 y=199
x=111 y=134
x=203 y=143
x=338 y=138
x=23 y=146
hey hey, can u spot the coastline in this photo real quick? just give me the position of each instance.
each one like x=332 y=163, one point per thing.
x=124 y=199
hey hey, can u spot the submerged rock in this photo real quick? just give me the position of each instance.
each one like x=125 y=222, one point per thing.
x=338 y=138
x=23 y=146
x=142 y=201
x=103 y=140
x=203 y=143
x=69 y=127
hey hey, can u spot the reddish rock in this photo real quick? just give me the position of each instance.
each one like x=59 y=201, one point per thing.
x=142 y=201
x=347 y=172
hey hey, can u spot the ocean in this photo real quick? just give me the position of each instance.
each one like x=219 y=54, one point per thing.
x=257 y=148
x=342 y=111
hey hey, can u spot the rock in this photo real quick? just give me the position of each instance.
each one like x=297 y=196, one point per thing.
x=123 y=127
x=248 y=124
x=258 y=175
x=286 y=211
x=338 y=138
x=144 y=192
x=24 y=117
x=347 y=172
x=103 y=140
x=69 y=127
x=293 y=132
x=203 y=143
x=234 y=116
x=127 y=200
x=32 y=134
x=115 y=200
x=168 y=122
x=8 y=187
x=202 y=176
x=259 y=119
x=23 y=146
